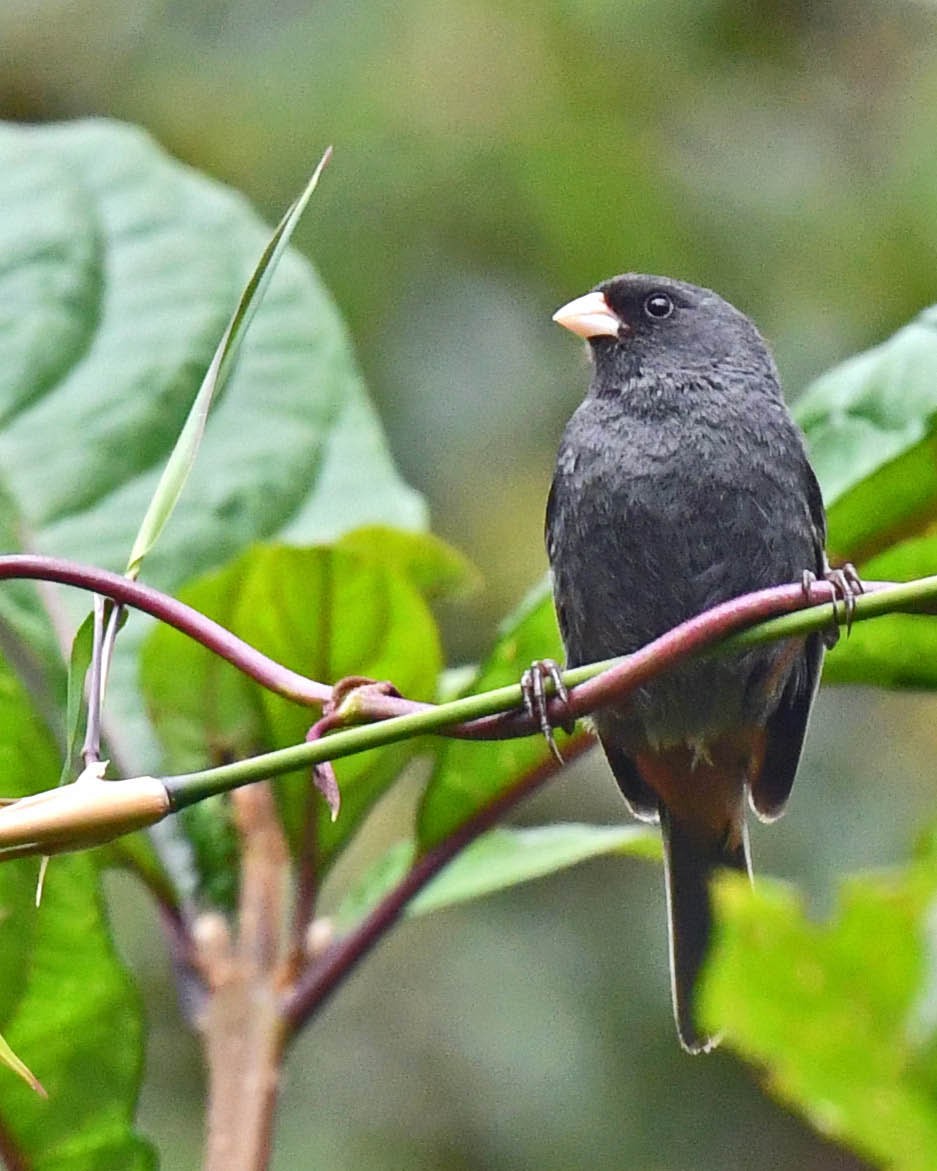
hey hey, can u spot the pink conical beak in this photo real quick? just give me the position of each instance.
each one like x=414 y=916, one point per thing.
x=589 y=316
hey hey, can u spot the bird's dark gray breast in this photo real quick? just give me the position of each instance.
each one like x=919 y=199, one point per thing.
x=651 y=521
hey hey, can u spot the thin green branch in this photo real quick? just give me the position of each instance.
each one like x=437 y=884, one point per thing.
x=67 y=819
x=326 y=973
x=590 y=686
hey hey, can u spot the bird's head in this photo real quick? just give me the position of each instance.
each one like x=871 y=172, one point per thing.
x=659 y=328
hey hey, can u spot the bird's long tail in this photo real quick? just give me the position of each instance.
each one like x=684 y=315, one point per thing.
x=690 y=862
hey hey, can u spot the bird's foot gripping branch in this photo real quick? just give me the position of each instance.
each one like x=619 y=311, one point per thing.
x=364 y=715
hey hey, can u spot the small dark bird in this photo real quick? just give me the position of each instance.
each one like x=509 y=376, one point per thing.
x=682 y=481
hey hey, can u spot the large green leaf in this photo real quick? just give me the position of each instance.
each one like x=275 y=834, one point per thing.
x=843 y=1014
x=327 y=612
x=897 y=650
x=66 y=1003
x=469 y=774
x=120 y=270
x=870 y=423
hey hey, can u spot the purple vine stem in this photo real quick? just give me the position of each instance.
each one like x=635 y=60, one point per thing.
x=210 y=634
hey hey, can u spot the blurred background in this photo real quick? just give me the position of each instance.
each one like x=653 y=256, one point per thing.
x=494 y=158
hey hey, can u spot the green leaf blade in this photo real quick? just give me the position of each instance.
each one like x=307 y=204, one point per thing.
x=500 y=859
x=67 y=1006
x=896 y=650
x=832 y=1018
x=182 y=457
x=870 y=424
x=132 y=262
x=327 y=612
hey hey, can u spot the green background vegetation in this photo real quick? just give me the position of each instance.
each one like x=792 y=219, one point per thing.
x=493 y=160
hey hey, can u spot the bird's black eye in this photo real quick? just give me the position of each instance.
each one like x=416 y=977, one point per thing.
x=658 y=305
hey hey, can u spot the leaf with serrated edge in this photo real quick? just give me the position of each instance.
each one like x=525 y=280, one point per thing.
x=833 y=1009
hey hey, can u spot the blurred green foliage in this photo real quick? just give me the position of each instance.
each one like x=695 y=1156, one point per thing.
x=493 y=159
x=842 y=1015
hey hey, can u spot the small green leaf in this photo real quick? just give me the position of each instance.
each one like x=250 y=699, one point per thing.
x=871 y=424
x=324 y=612
x=834 y=1010
x=469 y=774
x=500 y=859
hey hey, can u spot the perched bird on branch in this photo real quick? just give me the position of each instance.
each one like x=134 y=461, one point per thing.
x=682 y=481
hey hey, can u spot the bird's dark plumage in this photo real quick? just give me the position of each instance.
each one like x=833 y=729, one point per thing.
x=682 y=481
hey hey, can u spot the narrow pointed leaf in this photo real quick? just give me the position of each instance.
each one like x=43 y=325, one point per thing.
x=20 y=1068
x=79 y=661
x=182 y=458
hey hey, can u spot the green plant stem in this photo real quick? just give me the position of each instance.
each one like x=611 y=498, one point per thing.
x=590 y=686
x=326 y=974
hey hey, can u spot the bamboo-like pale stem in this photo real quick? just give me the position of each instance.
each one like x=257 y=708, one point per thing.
x=243 y=1029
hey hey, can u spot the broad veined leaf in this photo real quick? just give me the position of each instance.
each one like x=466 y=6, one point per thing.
x=433 y=566
x=870 y=424
x=121 y=268
x=842 y=1013
x=326 y=612
x=896 y=650
x=66 y=1002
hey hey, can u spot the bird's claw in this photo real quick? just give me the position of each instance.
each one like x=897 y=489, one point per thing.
x=847 y=586
x=536 y=700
